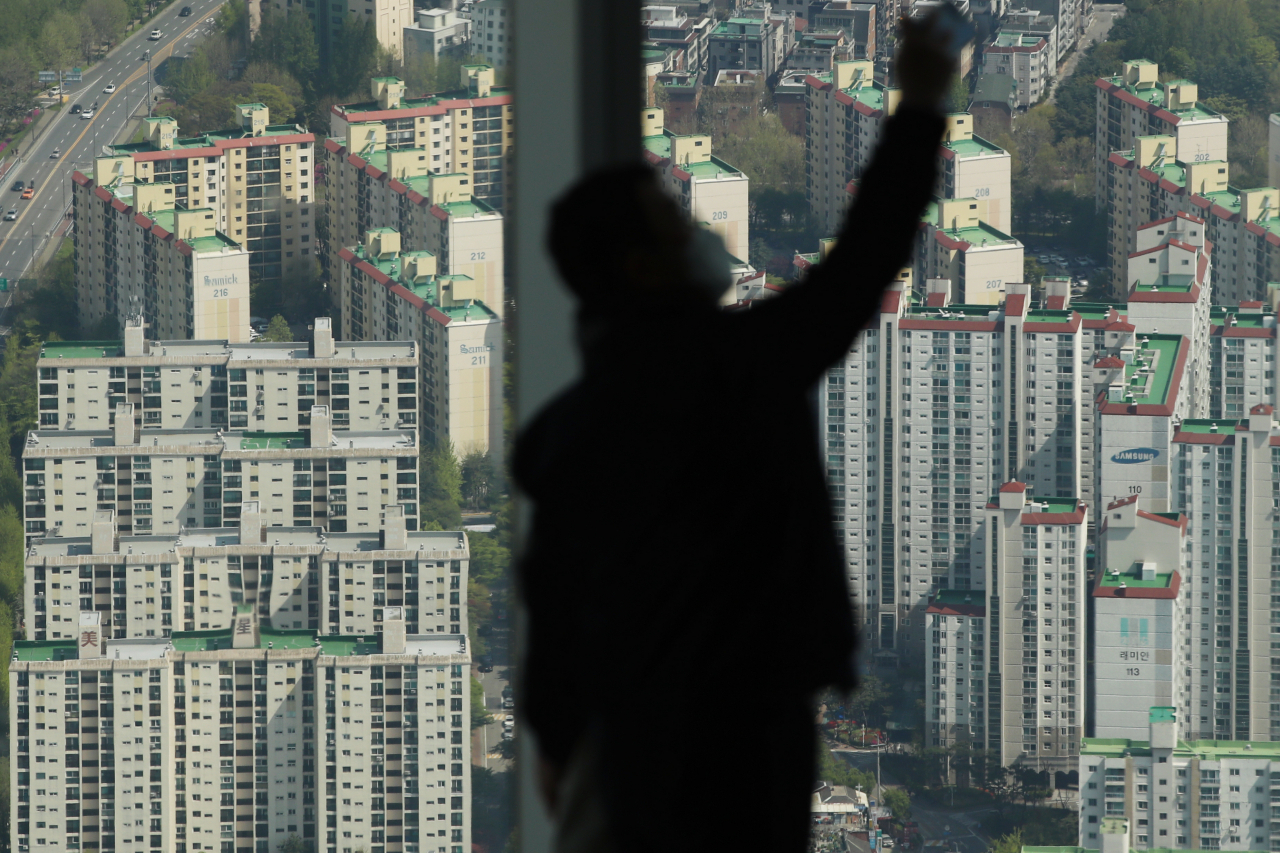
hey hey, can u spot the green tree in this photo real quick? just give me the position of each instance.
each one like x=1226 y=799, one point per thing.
x=189 y=78
x=867 y=702
x=278 y=330
x=300 y=294
x=479 y=716
x=59 y=44
x=899 y=803
x=1011 y=843
x=440 y=488
x=293 y=844
x=106 y=19
x=479 y=480
x=958 y=96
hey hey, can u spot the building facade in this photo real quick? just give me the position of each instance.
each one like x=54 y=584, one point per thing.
x=1168 y=793
x=258 y=180
x=238 y=737
x=390 y=293
x=1026 y=58
x=709 y=190
x=163 y=481
x=141 y=253
x=179 y=385
x=436 y=33
x=332 y=17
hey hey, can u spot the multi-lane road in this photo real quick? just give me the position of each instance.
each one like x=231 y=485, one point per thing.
x=78 y=140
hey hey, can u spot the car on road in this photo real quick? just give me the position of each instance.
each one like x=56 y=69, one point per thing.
x=57 y=152
x=110 y=89
x=18 y=186
x=508 y=734
x=508 y=703
x=75 y=109
x=486 y=663
x=509 y=723
x=155 y=36
x=11 y=215
x=87 y=114
x=185 y=13
x=29 y=193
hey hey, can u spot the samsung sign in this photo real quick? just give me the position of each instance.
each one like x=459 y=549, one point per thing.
x=1134 y=455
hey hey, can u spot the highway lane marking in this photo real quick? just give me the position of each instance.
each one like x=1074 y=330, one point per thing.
x=119 y=90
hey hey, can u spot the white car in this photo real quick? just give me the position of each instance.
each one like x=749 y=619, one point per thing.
x=86 y=114
x=11 y=215
x=509 y=723
x=155 y=36
x=111 y=88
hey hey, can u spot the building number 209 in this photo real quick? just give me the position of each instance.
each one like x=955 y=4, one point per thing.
x=717 y=215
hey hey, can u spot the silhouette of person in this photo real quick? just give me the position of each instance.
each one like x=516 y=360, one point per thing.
x=685 y=588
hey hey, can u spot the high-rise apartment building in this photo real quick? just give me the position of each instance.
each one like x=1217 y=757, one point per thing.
x=165 y=480
x=390 y=293
x=209 y=384
x=432 y=212
x=1162 y=792
x=1031 y=552
x=1227 y=486
x=931 y=411
x=961 y=246
x=138 y=252
x=845 y=109
x=239 y=737
x=1141 y=596
x=257 y=179
x=490 y=35
x=394 y=152
x=152 y=585
x=1154 y=180
x=1135 y=103
x=1242 y=352
x=709 y=190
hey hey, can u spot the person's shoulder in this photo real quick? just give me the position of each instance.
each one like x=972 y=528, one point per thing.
x=550 y=427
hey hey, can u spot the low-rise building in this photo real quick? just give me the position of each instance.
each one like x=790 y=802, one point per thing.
x=389 y=293
x=755 y=38
x=1035 y=23
x=366 y=735
x=673 y=27
x=211 y=384
x=856 y=20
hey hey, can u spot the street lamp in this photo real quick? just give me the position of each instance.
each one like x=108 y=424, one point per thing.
x=147 y=57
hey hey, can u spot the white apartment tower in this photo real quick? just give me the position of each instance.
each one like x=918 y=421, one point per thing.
x=1140 y=599
x=931 y=411
x=1032 y=554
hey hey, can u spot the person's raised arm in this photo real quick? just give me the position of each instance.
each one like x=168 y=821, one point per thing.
x=814 y=323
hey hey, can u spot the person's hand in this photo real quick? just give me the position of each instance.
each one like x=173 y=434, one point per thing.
x=924 y=67
x=548 y=783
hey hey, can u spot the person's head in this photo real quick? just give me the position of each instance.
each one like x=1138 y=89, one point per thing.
x=616 y=236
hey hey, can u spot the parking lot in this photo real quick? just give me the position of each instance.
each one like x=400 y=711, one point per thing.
x=1084 y=271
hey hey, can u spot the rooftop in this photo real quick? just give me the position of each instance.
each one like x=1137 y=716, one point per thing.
x=870 y=94
x=352 y=112
x=1208 y=425
x=980 y=236
x=974 y=146
x=1037 y=504
x=1206 y=750
x=1169 y=283
x=1158 y=356
x=1046 y=315
x=1007 y=39
x=1132 y=576
x=1218 y=315
x=660 y=146
x=426 y=288
x=82 y=349
x=212 y=138
x=45 y=650
x=1154 y=94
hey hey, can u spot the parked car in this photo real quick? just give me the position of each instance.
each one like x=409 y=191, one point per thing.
x=508 y=734
x=29 y=193
x=508 y=703
x=11 y=215
x=509 y=723
x=155 y=36
x=111 y=87
x=75 y=109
